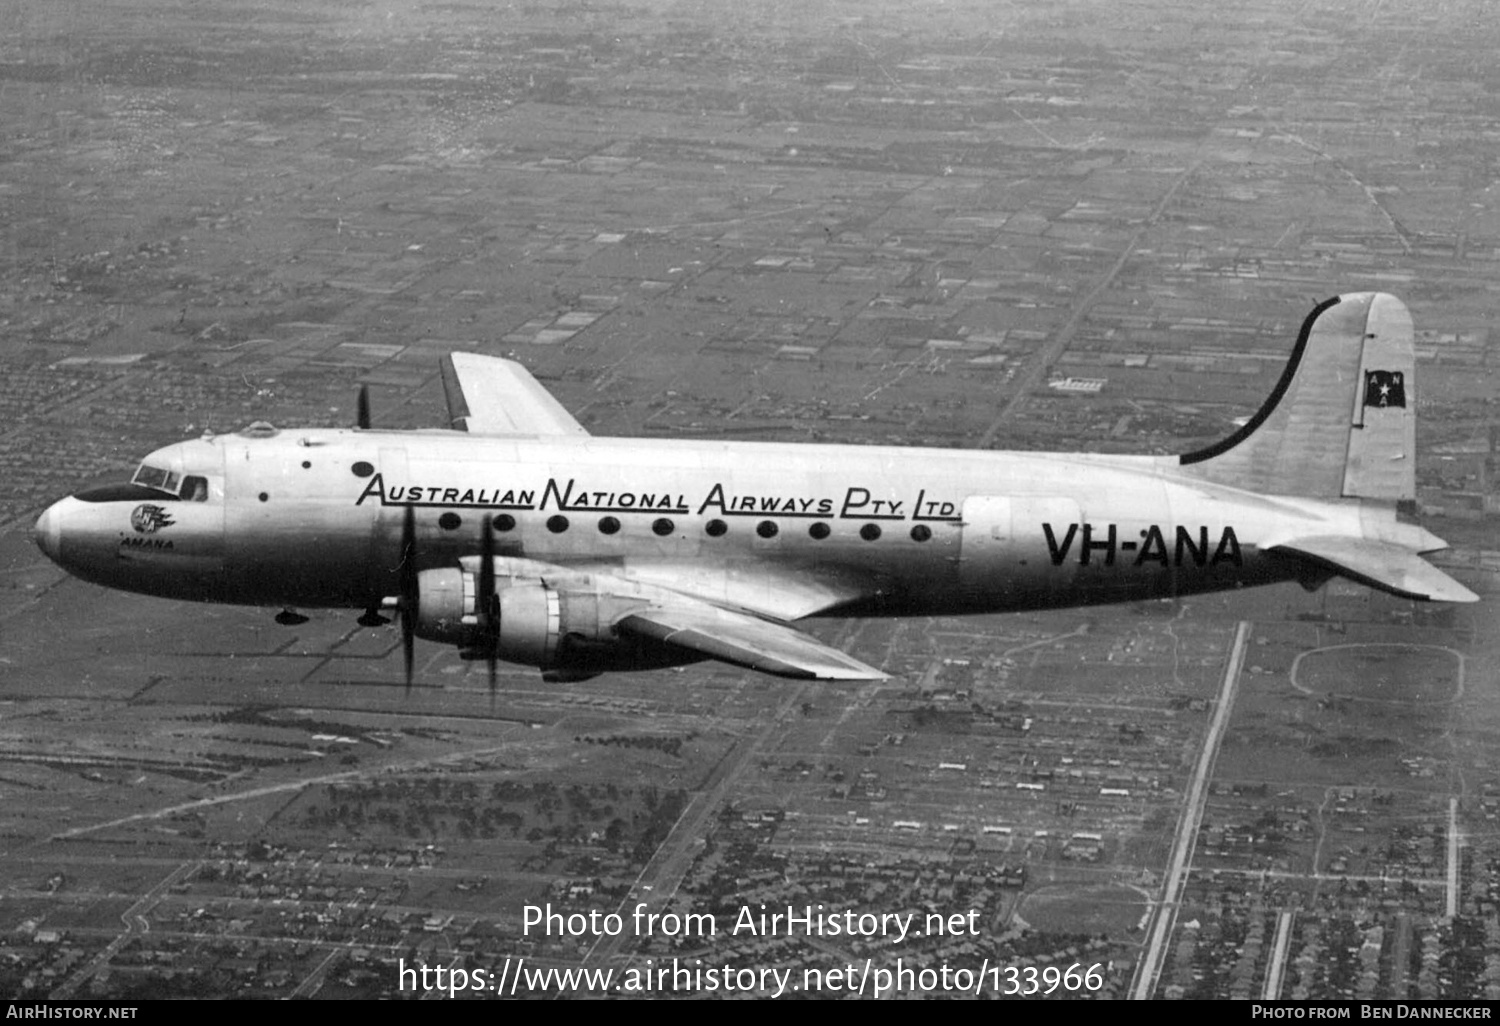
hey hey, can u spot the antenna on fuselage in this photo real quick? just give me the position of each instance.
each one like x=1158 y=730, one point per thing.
x=372 y=617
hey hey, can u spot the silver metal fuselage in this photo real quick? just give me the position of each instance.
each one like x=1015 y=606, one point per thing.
x=312 y=518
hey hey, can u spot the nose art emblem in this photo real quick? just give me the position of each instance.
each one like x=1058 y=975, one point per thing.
x=148 y=519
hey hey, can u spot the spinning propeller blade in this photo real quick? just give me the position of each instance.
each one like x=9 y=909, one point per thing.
x=489 y=601
x=410 y=594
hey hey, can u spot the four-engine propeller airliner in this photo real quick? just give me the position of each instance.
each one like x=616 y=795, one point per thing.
x=515 y=535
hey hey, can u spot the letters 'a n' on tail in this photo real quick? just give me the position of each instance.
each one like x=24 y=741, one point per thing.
x=1341 y=422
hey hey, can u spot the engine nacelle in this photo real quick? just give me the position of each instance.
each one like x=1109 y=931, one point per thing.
x=535 y=618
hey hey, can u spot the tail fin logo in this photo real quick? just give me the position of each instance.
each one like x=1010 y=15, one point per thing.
x=1385 y=389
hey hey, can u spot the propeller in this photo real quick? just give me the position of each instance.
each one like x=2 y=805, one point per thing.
x=409 y=592
x=489 y=602
x=363 y=416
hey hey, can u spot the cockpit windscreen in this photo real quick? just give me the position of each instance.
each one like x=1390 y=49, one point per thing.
x=192 y=487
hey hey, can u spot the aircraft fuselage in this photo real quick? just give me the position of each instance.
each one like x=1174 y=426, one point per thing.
x=313 y=518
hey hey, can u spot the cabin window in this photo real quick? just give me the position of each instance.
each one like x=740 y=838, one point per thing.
x=715 y=528
x=609 y=525
x=870 y=532
x=557 y=524
x=766 y=529
x=819 y=530
x=921 y=533
x=662 y=526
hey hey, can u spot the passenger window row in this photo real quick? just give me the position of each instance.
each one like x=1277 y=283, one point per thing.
x=662 y=527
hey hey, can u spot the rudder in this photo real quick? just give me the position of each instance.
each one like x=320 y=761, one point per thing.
x=1383 y=436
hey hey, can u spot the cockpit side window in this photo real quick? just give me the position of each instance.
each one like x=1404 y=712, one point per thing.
x=195 y=488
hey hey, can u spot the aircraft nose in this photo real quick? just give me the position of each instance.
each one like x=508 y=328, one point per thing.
x=48 y=531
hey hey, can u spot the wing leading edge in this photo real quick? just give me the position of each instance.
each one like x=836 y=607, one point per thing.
x=490 y=396
x=747 y=641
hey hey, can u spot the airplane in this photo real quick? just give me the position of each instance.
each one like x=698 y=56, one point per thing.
x=516 y=535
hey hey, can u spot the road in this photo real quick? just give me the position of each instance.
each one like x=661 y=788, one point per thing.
x=136 y=924
x=1165 y=915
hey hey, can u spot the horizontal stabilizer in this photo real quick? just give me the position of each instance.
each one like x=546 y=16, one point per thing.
x=1381 y=565
x=747 y=641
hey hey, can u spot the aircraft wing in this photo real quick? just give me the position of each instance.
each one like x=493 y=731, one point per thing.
x=491 y=396
x=744 y=640
x=1381 y=565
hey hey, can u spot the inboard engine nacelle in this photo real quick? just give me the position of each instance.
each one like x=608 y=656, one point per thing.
x=532 y=616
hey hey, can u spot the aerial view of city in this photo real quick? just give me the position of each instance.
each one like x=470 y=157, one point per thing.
x=1031 y=225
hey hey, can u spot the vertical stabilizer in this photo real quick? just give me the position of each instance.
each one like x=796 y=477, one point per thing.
x=1341 y=422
